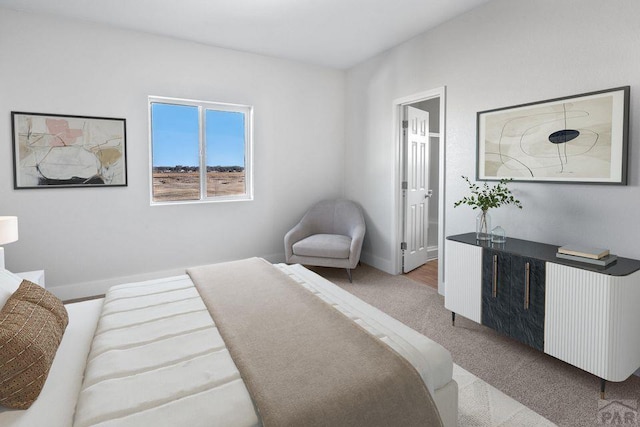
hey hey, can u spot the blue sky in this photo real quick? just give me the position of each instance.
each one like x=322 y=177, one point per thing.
x=175 y=136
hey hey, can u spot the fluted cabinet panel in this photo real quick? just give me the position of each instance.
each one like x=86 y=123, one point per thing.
x=592 y=320
x=625 y=327
x=463 y=279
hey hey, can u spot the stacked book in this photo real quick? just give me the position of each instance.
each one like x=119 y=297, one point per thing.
x=595 y=256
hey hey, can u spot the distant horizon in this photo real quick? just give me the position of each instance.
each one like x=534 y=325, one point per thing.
x=198 y=167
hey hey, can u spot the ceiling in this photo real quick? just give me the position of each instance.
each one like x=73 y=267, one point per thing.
x=334 y=33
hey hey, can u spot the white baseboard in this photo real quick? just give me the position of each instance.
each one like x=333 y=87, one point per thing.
x=377 y=262
x=432 y=252
x=100 y=287
x=386 y=265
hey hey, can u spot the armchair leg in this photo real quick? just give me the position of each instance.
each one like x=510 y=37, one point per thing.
x=349 y=274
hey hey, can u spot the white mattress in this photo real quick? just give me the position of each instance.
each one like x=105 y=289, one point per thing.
x=157 y=359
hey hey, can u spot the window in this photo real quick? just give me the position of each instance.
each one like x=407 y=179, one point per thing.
x=200 y=151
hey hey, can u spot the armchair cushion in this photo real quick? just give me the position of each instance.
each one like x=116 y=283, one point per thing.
x=323 y=246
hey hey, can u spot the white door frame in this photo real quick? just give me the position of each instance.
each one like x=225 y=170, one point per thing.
x=397 y=214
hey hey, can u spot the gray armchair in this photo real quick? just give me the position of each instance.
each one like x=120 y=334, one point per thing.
x=330 y=234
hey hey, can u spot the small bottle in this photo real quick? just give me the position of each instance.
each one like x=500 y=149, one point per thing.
x=498 y=235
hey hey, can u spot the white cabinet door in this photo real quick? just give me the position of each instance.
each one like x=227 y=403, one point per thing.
x=592 y=320
x=463 y=279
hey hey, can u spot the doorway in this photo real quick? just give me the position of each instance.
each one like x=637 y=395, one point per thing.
x=420 y=186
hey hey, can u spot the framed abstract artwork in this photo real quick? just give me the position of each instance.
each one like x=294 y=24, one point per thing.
x=576 y=139
x=53 y=151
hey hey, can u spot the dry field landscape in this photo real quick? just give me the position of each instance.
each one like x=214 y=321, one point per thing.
x=168 y=186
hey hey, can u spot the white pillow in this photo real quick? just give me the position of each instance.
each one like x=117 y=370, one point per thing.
x=9 y=283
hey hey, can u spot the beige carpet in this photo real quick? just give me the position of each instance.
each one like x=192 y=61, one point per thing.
x=564 y=394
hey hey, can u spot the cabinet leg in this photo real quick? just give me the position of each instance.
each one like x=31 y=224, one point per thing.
x=453 y=318
x=603 y=384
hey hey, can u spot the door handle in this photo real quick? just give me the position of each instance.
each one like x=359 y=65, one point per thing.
x=494 y=292
x=429 y=194
x=527 y=285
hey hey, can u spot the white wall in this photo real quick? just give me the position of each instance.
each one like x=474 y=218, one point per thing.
x=86 y=239
x=504 y=53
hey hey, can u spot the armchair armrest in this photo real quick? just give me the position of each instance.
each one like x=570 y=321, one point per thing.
x=357 y=238
x=297 y=233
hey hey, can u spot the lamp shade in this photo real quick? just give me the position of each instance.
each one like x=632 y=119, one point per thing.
x=8 y=229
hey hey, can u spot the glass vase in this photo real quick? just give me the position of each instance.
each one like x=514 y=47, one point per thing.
x=498 y=235
x=483 y=226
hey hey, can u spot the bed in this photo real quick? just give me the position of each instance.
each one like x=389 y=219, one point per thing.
x=141 y=332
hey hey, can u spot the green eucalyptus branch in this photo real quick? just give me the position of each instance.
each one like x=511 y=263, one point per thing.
x=486 y=197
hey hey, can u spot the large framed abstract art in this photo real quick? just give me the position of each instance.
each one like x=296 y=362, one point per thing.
x=576 y=139
x=53 y=151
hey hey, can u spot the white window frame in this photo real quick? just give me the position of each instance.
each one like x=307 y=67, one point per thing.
x=203 y=106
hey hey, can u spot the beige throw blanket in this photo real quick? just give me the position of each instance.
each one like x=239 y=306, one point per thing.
x=303 y=362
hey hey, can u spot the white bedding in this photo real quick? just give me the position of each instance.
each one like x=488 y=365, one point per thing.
x=57 y=401
x=431 y=360
x=157 y=359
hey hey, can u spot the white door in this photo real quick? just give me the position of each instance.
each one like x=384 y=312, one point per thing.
x=416 y=194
